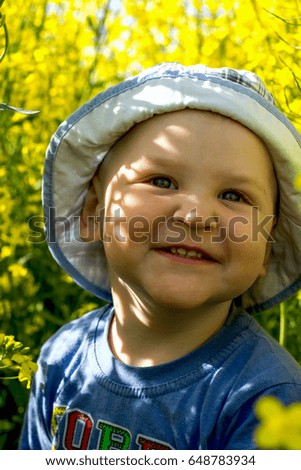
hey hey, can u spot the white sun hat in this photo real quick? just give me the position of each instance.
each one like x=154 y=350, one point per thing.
x=83 y=140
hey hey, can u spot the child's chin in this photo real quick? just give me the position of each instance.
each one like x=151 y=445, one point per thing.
x=179 y=302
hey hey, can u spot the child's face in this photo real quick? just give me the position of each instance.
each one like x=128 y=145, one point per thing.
x=188 y=191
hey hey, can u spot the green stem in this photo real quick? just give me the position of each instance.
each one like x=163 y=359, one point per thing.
x=9 y=378
x=282 y=329
x=6 y=43
x=12 y=366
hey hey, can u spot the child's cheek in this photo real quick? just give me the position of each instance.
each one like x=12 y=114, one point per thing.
x=114 y=223
x=239 y=229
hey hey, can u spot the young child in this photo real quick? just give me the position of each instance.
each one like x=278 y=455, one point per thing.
x=171 y=196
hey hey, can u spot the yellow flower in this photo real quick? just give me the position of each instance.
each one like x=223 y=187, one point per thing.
x=14 y=357
x=17 y=270
x=26 y=371
x=6 y=251
x=3 y=207
x=280 y=426
x=298 y=183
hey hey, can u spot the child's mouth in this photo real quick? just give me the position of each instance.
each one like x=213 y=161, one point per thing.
x=187 y=253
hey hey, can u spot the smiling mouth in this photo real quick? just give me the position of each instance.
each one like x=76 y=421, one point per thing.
x=188 y=253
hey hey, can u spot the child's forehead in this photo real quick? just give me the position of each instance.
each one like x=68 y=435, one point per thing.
x=175 y=121
x=164 y=136
x=165 y=130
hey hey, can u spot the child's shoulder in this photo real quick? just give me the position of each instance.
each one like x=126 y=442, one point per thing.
x=71 y=337
x=262 y=356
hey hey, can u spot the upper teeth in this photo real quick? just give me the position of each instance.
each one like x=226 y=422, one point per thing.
x=186 y=253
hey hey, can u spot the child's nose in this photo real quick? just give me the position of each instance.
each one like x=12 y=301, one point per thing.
x=193 y=211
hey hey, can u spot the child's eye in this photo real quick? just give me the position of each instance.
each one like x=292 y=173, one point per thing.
x=163 y=182
x=232 y=196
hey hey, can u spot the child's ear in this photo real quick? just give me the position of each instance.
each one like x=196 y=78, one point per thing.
x=91 y=223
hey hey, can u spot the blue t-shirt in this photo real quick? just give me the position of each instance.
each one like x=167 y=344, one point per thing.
x=84 y=398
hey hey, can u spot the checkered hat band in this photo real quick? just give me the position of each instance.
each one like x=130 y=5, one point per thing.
x=241 y=77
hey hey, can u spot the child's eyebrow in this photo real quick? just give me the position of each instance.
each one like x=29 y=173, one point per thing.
x=157 y=164
x=247 y=180
x=162 y=161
